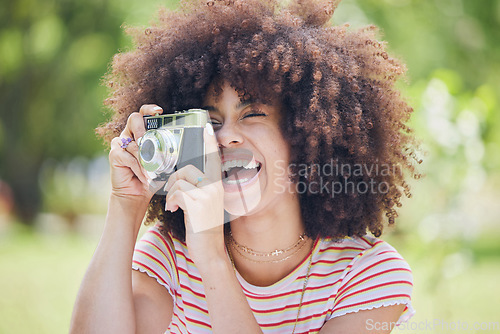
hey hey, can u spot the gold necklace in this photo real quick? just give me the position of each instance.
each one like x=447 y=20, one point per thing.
x=265 y=261
x=306 y=280
x=275 y=252
x=304 y=288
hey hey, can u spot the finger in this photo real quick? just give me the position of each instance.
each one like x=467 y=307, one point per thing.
x=137 y=169
x=135 y=127
x=135 y=123
x=187 y=173
x=125 y=160
x=116 y=144
x=177 y=199
x=133 y=149
x=126 y=144
x=187 y=188
x=212 y=154
x=120 y=157
x=150 y=110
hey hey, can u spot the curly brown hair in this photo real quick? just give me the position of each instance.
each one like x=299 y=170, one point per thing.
x=336 y=85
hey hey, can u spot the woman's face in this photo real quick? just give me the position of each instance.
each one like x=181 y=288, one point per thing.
x=254 y=153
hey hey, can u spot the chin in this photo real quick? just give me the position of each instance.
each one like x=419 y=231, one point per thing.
x=242 y=203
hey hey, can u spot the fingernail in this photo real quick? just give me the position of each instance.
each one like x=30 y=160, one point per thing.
x=210 y=129
x=157 y=108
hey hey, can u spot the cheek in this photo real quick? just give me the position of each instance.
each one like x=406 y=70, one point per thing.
x=281 y=148
x=271 y=142
x=280 y=158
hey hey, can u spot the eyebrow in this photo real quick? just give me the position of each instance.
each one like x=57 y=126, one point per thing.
x=241 y=105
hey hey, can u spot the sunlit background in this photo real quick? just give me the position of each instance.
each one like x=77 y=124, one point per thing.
x=53 y=171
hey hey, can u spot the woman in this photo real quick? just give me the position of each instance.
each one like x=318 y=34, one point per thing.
x=312 y=146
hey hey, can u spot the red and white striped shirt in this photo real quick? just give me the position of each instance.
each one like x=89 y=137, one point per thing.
x=347 y=276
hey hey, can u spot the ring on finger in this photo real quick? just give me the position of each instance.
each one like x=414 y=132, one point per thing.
x=198 y=180
x=125 y=142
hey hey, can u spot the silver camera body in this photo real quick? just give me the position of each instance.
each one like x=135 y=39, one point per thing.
x=173 y=141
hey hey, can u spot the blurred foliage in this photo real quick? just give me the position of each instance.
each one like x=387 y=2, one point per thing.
x=53 y=54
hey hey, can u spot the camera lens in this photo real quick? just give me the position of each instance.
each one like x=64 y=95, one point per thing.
x=158 y=152
x=147 y=150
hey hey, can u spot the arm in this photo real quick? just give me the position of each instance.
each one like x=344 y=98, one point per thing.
x=105 y=300
x=113 y=299
x=153 y=304
x=227 y=305
x=376 y=321
x=374 y=294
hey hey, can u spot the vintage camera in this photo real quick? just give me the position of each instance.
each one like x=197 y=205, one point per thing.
x=173 y=141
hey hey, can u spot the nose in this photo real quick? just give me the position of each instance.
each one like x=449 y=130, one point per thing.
x=228 y=135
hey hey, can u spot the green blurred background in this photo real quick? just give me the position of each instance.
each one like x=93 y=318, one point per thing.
x=53 y=171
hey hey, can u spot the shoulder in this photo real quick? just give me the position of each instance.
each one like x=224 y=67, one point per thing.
x=153 y=241
x=363 y=251
x=157 y=255
x=365 y=258
x=370 y=274
x=154 y=238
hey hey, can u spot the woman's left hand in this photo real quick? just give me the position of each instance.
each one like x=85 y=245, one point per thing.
x=201 y=197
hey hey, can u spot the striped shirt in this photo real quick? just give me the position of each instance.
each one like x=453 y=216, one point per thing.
x=347 y=276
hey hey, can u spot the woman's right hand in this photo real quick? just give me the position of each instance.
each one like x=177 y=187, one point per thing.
x=128 y=178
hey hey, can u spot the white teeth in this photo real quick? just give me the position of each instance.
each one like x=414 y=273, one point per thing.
x=236 y=181
x=227 y=165
x=252 y=164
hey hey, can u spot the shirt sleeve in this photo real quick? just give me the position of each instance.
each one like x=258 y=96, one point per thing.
x=154 y=255
x=376 y=277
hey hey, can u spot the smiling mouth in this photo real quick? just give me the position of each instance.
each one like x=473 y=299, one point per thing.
x=239 y=171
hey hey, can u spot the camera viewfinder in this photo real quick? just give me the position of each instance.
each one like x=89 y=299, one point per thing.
x=180 y=120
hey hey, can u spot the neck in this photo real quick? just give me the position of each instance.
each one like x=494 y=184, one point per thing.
x=279 y=227
x=275 y=228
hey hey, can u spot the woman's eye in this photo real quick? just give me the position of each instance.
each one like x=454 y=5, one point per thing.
x=215 y=122
x=254 y=114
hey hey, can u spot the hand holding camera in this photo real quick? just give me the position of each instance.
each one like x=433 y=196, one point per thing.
x=128 y=179
x=173 y=148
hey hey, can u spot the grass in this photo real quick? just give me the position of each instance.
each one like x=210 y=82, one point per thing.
x=39 y=280
x=41 y=274
x=455 y=285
